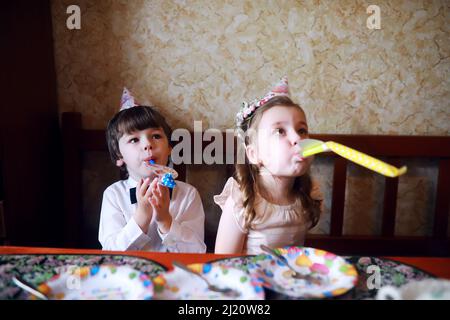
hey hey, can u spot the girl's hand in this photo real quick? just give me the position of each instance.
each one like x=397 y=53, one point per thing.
x=160 y=202
x=144 y=211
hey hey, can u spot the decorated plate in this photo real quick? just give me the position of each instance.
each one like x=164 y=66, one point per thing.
x=326 y=274
x=392 y=273
x=376 y=272
x=104 y=282
x=180 y=284
x=37 y=269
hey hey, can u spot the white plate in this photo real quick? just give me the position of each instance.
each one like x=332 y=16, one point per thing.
x=105 y=282
x=180 y=284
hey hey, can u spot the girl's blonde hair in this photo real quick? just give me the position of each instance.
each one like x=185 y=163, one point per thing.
x=247 y=174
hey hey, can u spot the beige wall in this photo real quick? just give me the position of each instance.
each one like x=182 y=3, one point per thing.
x=197 y=60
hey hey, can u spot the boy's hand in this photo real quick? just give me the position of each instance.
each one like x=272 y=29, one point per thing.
x=160 y=201
x=144 y=211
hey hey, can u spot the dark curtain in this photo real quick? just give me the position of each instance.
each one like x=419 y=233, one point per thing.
x=30 y=148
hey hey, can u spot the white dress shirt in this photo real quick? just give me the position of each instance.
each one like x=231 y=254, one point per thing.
x=119 y=231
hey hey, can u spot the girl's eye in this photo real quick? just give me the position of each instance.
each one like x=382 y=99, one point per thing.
x=156 y=136
x=303 y=131
x=279 y=131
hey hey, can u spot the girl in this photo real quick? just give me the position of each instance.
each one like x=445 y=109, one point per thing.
x=272 y=200
x=139 y=213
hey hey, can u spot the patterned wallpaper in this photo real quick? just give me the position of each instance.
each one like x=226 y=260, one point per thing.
x=198 y=59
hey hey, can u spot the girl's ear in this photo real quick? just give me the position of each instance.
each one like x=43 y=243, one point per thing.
x=252 y=154
x=120 y=162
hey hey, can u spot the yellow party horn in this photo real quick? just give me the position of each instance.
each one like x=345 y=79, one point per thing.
x=313 y=146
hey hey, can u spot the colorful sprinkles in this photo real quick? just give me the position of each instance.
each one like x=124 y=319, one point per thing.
x=104 y=282
x=178 y=284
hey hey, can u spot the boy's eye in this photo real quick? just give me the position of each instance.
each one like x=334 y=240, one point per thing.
x=133 y=140
x=156 y=136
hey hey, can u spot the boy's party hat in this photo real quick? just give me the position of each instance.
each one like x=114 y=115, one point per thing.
x=127 y=100
x=247 y=109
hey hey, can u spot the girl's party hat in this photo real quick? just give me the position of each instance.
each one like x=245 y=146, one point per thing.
x=248 y=109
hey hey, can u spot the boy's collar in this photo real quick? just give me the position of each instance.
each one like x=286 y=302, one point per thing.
x=131 y=182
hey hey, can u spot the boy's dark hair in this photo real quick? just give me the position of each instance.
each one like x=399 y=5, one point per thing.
x=133 y=119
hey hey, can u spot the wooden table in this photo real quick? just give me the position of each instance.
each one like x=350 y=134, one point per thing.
x=440 y=267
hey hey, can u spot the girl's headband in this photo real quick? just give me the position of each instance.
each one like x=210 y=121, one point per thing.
x=248 y=109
